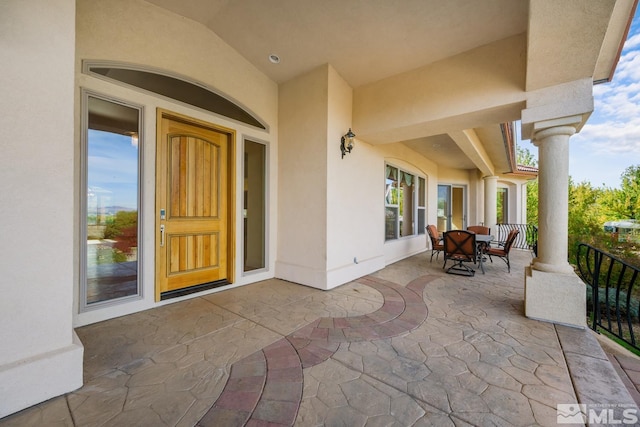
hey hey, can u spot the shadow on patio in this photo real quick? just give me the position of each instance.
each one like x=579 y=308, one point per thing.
x=408 y=345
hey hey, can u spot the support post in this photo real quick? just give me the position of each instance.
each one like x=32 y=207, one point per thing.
x=553 y=292
x=491 y=202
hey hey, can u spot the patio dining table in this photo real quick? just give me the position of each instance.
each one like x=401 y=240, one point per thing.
x=482 y=241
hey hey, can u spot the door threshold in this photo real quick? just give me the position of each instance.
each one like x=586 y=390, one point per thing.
x=192 y=289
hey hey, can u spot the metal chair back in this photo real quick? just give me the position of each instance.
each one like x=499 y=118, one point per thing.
x=460 y=247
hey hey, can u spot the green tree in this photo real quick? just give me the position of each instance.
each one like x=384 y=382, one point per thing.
x=613 y=202
x=124 y=230
x=532 y=202
x=525 y=158
x=122 y=220
x=629 y=196
x=585 y=214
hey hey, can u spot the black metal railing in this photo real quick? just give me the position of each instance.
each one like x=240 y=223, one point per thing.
x=613 y=297
x=527 y=237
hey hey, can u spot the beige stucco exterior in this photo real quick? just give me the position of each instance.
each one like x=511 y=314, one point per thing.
x=325 y=214
x=40 y=355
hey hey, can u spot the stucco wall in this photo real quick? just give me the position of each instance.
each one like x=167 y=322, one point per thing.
x=302 y=168
x=38 y=356
x=331 y=227
x=37 y=169
x=355 y=184
x=482 y=85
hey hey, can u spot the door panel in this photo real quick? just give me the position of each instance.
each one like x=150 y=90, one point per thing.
x=451 y=208
x=457 y=209
x=444 y=207
x=192 y=206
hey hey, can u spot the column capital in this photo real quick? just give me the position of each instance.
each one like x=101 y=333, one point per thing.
x=490 y=177
x=569 y=103
x=545 y=133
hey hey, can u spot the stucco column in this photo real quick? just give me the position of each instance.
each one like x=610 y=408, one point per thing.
x=553 y=195
x=490 y=202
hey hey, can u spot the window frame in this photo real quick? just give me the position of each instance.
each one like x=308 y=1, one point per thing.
x=419 y=180
x=267 y=209
x=83 y=306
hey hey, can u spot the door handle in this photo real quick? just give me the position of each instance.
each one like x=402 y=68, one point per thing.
x=162 y=235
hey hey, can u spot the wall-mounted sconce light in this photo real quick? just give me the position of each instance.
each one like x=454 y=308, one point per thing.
x=346 y=142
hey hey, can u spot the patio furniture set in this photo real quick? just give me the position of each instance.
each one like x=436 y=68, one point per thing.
x=470 y=246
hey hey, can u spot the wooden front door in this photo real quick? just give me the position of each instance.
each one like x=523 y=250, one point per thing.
x=193 y=206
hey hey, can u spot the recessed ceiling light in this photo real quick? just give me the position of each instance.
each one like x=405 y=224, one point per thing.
x=274 y=58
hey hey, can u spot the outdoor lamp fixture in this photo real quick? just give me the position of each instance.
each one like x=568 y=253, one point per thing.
x=346 y=142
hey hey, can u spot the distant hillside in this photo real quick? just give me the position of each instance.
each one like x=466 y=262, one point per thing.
x=111 y=210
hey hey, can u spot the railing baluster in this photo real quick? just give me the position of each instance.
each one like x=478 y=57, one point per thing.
x=527 y=238
x=628 y=305
x=607 y=285
x=618 y=314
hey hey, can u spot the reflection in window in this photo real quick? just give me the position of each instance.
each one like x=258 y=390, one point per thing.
x=255 y=162
x=111 y=164
x=422 y=205
x=407 y=185
x=401 y=210
x=502 y=206
x=391 y=201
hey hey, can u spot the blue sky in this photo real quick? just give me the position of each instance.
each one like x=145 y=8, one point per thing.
x=113 y=169
x=610 y=141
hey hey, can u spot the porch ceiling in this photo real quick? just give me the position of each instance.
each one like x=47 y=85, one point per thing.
x=443 y=150
x=438 y=65
x=364 y=41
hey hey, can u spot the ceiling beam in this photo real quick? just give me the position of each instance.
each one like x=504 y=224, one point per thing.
x=473 y=148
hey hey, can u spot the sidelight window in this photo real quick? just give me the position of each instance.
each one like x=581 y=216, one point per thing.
x=110 y=201
x=254 y=212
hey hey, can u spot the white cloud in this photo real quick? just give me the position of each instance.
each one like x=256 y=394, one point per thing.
x=610 y=140
x=628 y=66
x=618 y=138
x=632 y=42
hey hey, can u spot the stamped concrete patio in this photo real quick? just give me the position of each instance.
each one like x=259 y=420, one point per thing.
x=408 y=345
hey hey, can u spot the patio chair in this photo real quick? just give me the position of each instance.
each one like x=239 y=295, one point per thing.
x=436 y=242
x=503 y=251
x=460 y=247
x=479 y=229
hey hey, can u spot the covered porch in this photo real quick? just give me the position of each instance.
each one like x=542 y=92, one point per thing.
x=432 y=91
x=407 y=345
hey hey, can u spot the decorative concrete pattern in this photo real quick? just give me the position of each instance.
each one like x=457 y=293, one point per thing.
x=595 y=379
x=628 y=368
x=475 y=360
x=266 y=387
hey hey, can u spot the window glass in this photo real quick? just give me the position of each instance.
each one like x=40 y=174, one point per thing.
x=407 y=205
x=391 y=203
x=502 y=206
x=404 y=203
x=391 y=190
x=255 y=163
x=177 y=89
x=422 y=191
x=111 y=165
